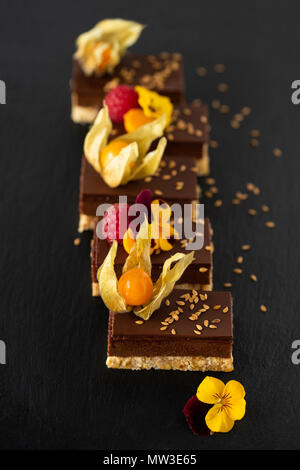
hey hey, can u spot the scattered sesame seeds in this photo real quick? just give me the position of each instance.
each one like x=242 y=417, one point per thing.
x=253 y=278
x=212 y=326
x=77 y=241
x=206 y=323
x=225 y=310
x=239 y=259
x=263 y=308
x=270 y=224
x=216 y=307
x=173 y=331
x=277 y=152
x=139 y=322
x=199 y=327
x=197 y=332
x=227 y=284
x=163 y=328
x=265 y=208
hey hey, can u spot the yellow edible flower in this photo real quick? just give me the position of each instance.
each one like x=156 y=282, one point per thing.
x=228 y=400
x=153 y=104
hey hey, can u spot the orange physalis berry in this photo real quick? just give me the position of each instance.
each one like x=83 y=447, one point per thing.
x=112 y=150
x=135 y=118
x=105 y=59
x=128 y=240
x=135 y=286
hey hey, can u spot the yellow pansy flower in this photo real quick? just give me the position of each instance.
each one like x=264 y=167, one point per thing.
x=153 y=104
x=228 y=400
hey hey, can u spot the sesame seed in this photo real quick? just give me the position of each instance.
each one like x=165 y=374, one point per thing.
x=173 y=331
x=217 y=307
x=225 y=310
x=252 y=212
x=77 y=241
x=212 y=326
x=237 y=271
x=167 y=302
x=263 y=308
x=199 y=327
x=224 y=109
x=245 y=247
x=270 y=224
x=219 y=68
x=201 y=71
x=215 y=104
x=246 y=110
x=218 y=203
x=214 y=144
x=227 y=284
x=197 y=332
x=277 y=152
x=206 y=323
x=222 y=87
x=265 y=208
x=239 y=259
x=254 y=133
x=254 y=142
x=158 y=192
x=139 y=322
x=163 y=328
x=253 y=278
x=203 y=270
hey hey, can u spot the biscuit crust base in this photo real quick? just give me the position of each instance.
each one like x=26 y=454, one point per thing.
x=184 y=363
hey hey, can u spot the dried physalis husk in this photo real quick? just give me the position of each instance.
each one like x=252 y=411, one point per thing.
x=133 y=162
x=100 y=49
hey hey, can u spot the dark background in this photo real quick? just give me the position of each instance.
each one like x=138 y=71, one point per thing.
x=55 y=391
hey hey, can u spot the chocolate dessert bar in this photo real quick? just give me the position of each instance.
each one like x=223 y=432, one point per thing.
x=162 y=73
x=188 y=134
x=198 y=275
x=192 y=330
x=176 y=181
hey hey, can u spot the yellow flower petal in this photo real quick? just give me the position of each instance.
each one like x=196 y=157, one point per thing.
x=153 y=104
x=210 y=390
x=236 y=411
x=217 y=420
x=235 y=390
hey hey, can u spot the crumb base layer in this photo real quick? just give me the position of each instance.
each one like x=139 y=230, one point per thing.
x=184 y=363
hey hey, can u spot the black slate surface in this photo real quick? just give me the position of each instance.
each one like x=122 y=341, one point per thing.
x=55 y=391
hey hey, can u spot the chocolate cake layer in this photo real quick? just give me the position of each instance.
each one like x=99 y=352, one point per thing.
x=166 y=335
x=181 y=173
x=199 y=272
x=162 y=73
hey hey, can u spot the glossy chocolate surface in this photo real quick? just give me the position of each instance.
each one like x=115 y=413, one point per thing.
x=126 y=337
x=94 y=191
x=134 y=69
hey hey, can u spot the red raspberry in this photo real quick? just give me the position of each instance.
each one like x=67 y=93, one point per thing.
x=119 y=100
x=115 y=219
